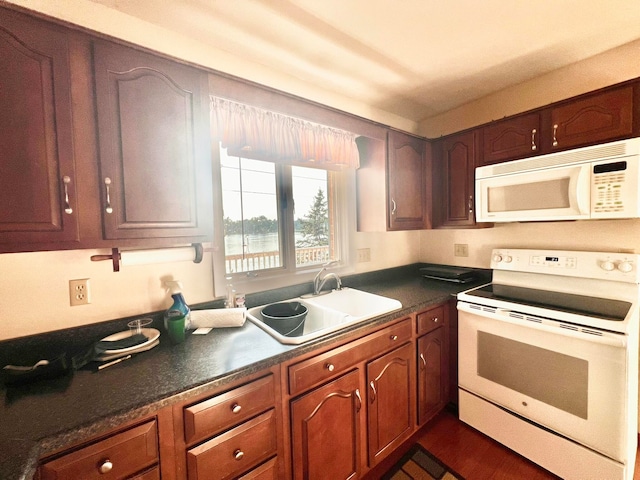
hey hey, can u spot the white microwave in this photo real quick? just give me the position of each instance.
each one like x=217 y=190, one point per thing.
x=586 y=183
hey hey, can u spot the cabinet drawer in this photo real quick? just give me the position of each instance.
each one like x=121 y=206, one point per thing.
x=235 y=451
x=153 y=474
x=430 y=320
x=223 y=411
x=266 y=471
x=334 y=362
x=121 y=455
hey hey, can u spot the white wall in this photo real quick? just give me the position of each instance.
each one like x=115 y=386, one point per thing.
x=35 y=296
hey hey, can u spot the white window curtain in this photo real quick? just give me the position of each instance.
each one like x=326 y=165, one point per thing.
x=252 y=132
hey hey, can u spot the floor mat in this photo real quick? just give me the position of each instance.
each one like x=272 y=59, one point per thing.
x=418 y=464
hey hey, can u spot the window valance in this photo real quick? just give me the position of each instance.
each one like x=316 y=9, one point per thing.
x=253 y=132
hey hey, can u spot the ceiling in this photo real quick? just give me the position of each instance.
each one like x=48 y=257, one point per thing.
x=412 y=58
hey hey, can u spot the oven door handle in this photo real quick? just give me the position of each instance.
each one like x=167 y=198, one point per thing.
x=504 y=315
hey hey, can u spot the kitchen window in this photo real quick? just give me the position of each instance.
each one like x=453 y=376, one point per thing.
x=284 y=207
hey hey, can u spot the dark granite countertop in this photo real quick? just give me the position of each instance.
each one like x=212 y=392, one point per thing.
x=43 y=416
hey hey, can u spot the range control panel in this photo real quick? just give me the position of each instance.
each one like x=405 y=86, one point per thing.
x=622 y=267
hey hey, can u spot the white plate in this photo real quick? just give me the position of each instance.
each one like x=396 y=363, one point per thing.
x=151 y=334
x=105 y=357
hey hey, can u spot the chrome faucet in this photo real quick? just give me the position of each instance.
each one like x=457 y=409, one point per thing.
x=318 y=284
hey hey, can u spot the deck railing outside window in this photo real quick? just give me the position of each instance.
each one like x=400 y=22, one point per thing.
x=261 y=260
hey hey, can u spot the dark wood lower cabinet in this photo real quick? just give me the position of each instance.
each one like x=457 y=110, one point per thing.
x=326 y=430
x=432 y=358
x=390 y=401
x=334 y=413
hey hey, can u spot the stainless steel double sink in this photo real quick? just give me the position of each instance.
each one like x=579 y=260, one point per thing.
x=330 y=313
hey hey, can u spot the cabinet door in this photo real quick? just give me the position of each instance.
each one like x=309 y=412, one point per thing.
x=390 y=400
x=325 y=426
x=154 y=145
x=37 y=176
x=406 y=173
x=511 y=139
x=594 y=119
x=457 y=162
x=432 y=375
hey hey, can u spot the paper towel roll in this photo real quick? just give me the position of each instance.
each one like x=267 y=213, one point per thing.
x=159 y=255
x=218 y=318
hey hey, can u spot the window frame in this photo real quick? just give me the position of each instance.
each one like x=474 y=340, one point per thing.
x=344 y=201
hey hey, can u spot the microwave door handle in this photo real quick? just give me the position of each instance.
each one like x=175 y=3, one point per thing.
x=580 y=190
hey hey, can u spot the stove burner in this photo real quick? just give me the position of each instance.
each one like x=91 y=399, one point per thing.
x=601 y=308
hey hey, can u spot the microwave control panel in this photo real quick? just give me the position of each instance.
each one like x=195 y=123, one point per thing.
x=614 y=189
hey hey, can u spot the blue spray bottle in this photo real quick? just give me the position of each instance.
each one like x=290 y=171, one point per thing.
x=174 y=288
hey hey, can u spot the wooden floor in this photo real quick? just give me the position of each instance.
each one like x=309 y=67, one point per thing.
x=472 y=454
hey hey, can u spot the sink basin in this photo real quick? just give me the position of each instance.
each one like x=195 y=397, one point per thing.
x=330 y=313
x=356 y=303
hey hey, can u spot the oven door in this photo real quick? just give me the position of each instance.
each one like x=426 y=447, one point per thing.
x=571 y=382
x=559 y=193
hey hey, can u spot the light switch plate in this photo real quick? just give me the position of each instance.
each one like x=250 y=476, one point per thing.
x=364 y=255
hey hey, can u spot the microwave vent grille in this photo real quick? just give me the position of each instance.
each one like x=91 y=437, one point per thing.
x=600 y=152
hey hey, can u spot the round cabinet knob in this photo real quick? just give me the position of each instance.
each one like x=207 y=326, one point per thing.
x=106 y=466
x=394 y=337
x=435 y=319
x=608 y=265
x=235 y=408
x=625 y=266
x=238 y=454
x=330 y=367
x=497 y=258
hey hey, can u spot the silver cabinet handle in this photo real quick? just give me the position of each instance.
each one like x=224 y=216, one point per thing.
x=374 y=394
x=555 y=131
x=330 y=366
x=394 y=207
x=107 y=184
x=67 y=206
x=106 y=466
x=235 y=408
x=393 y=338
x=424 y=361
x=238 y=454
x=435 y=319
x=471 y=204
x=534 y=147
x=357 y=392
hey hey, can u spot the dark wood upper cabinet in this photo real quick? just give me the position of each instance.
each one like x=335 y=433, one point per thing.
x=593 y=119
x=38 y=201
x=454 y=176
x=406 y=177
x=512 y=138
x=154 y=145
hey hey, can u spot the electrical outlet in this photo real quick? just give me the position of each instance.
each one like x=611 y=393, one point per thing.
x=364 y=255
x=461 y=250
x=79 y=292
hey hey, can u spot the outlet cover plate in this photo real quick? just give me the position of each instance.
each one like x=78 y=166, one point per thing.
x=79 y=293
